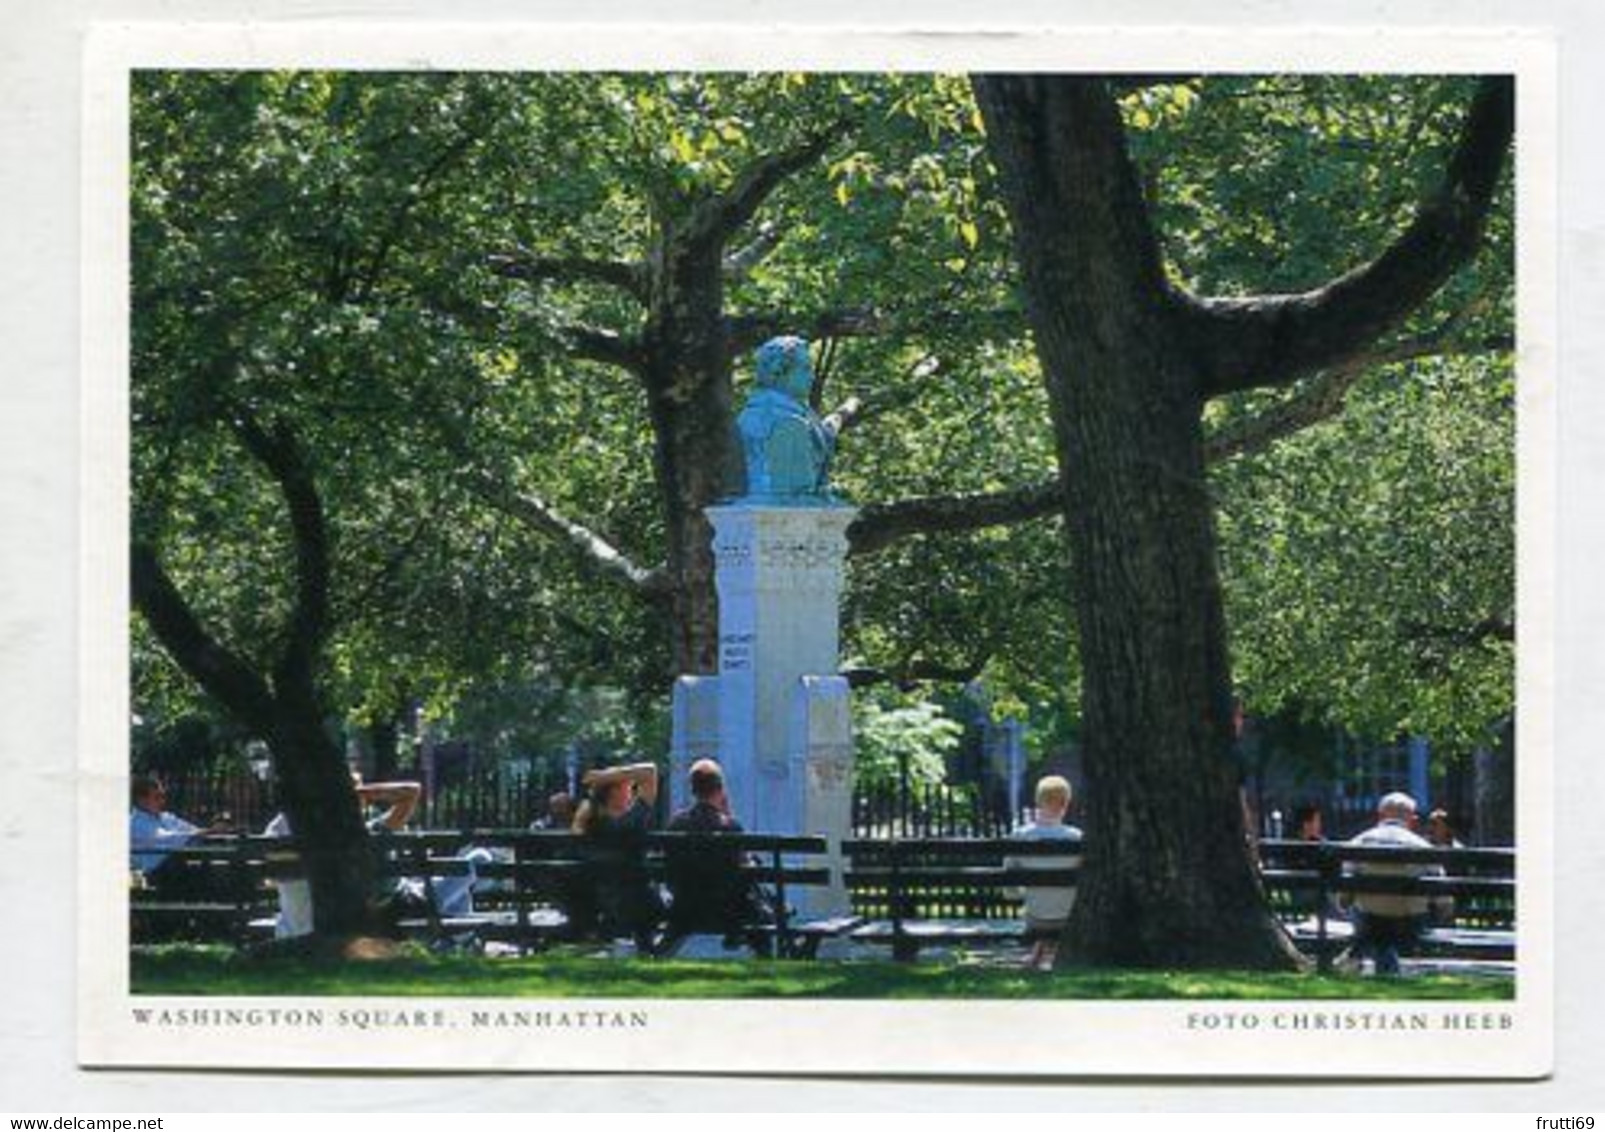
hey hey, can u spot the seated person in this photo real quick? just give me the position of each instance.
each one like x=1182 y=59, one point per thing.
x=1387 y=923
x=1440 y=832
x=707 y=889
x=1047 y=909
x=295 y=896
x=559 y=813
x=153 y=832
x=453 y=895
x=617 y=814
x=1307 y=824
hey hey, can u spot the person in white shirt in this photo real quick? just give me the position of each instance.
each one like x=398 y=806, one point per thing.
x=1047 y=909
x=1386 y=922
x=153 y=832
x=295 y=896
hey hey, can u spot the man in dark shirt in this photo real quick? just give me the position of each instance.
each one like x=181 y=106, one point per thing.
x=709 y=892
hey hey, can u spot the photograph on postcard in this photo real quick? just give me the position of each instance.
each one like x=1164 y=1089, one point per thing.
x=609 y=547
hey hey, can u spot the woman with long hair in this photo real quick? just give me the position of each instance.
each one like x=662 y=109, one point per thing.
x=617 y=813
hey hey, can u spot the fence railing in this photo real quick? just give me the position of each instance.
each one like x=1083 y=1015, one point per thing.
x=497 y=798
x=897 y=809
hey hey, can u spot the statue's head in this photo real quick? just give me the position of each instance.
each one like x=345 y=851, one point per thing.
x=784 y=365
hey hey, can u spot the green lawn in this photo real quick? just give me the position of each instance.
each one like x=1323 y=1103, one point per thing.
x=218 y=971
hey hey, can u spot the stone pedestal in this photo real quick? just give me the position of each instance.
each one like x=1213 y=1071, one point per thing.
x=784 y=742
x=822 y=763
x=696 y=733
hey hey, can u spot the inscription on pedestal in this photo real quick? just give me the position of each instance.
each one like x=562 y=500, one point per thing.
x=735 y=652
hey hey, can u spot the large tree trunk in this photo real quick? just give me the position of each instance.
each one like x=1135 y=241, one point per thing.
x=1170 y=879
x=1129 y=361
x=688 y=384
x=282 y=706
x=315 y=789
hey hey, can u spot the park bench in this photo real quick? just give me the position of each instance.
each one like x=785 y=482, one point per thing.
x=1306 y=882
x=920 y=892
x=225 y=890
x=210 y=890
x=548 y=869
x=955 y=891
x=522 y=897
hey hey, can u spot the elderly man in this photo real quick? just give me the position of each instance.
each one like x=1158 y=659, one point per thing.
x=1386 y=922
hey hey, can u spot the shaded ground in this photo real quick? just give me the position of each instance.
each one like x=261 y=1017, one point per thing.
x=183 y=970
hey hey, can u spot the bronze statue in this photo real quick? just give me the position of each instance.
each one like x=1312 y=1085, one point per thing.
x=785 y=446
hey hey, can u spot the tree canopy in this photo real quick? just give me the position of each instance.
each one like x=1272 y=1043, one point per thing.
x=498 y=322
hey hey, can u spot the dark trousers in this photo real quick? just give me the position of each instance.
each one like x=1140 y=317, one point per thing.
x=1384 y=937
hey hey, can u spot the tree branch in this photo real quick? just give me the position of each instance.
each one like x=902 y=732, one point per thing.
x=599 y=554
x=1323 y=396
x=220 y=672
x=739 y=264
x=605 y=346
x=1496 y=627
x=749 y=331
x=521 y=265
x=879 y=525
x=421 y=190
x=1276 y=339
x=717 y=218
x=280 y=453
x=917 y=672
x=856 y=411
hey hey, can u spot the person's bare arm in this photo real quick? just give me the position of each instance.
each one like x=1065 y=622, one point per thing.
x=402 y=797
x=644 y=776
x=646 y=782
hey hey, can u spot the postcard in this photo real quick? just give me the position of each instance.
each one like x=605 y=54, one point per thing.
x=772 y=550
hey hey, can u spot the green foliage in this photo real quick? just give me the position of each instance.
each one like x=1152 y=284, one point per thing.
x=1361 y=555
x=894 y=735
x=1365 y=559
x=315 y=249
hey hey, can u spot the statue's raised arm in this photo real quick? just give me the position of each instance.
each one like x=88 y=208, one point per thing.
x=785 y=446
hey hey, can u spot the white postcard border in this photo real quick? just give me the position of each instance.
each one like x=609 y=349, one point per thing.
x=1272 y=1039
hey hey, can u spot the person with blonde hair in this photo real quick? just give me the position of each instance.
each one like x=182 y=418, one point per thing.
x=1047 y=908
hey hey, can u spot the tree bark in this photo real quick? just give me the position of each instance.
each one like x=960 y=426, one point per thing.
x=1129 y=362
x=1170 y=879
x=281 y=705
x=690 y=401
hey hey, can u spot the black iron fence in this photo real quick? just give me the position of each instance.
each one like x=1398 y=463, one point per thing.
x=240 y=801
x=495 y=797
x=914 y=809
x=490 y=798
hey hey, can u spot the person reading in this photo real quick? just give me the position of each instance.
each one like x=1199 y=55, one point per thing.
x=154 y=831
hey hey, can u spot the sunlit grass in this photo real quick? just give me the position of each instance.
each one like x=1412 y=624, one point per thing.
x=220 y=971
